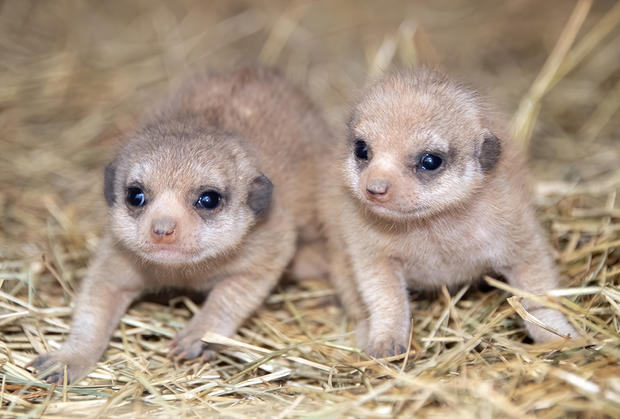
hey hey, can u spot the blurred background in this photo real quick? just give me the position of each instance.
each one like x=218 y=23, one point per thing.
x=74 y=74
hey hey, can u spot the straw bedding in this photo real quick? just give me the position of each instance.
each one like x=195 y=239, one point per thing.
x=73 y=75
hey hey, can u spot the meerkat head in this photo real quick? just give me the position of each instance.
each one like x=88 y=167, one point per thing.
x=418 y=145
x=179 y=194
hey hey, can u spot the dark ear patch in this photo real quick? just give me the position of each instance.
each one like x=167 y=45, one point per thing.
x=109 y=175
x=490 y=151
x=259 y=197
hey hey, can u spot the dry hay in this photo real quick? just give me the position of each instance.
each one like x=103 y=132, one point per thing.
x=74 y=74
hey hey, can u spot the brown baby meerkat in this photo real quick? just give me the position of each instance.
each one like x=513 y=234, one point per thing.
x=425 y=193
x=211 y=193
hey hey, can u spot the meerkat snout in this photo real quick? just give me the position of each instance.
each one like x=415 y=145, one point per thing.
x=378 y=189
x=163 y=230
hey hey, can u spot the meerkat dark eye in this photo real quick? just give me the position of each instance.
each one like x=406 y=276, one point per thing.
x=208 y=200
x=430 y=161
x=135 y=197
x=361 y=150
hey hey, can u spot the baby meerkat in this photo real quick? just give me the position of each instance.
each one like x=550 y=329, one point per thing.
x=426 y=193
x=210 y=192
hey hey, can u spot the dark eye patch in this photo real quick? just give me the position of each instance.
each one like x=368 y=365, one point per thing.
x=208 y=200
x=361 y=149
x=137 y=197
x=429 y=163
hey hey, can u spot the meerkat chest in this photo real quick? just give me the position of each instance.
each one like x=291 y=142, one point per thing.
x=179 y=278
x=448 y=254
x=198 y=277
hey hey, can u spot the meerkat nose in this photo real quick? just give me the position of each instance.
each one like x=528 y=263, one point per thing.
x=163 y=230
x=378 y=190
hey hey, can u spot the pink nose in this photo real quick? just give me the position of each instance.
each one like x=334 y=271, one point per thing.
x=378 y=190
x=163 y=230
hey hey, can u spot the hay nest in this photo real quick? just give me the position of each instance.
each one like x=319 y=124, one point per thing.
x=75 y=74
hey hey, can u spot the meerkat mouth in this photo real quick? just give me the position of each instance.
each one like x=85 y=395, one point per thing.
x=170 y=255
x=394 y=213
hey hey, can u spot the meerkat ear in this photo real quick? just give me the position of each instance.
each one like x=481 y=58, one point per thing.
x=489 y=153
x=108 y=182
x=259 y=197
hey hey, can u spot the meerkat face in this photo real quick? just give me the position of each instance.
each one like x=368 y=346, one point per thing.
x=176 y=200
x=417 y=147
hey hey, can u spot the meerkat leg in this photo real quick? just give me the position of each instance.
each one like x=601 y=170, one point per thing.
x=228 y=305
x=106 y=293
x=538 y=276
x=384 y=293
x=341 y=276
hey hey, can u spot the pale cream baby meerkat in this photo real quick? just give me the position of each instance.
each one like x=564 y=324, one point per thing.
x=426 y=192
x=210 y=192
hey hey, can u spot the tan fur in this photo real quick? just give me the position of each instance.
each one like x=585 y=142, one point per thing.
x=218 y=131
x=424 y=229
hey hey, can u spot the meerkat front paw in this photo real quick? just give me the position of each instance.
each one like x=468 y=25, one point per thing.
x=555 y=320
x=51 y=367
x=386 y=345
x=187 y=345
